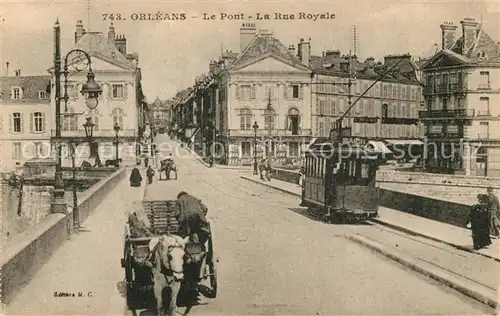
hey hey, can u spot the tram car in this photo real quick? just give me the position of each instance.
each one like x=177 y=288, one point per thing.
x=340 y=182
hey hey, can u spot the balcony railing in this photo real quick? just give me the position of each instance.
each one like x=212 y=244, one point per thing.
x=444 y=88
x=107 y=133
x=274 y=132
x=448 y=113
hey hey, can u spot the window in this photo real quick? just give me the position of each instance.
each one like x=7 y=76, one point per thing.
x=245 y=149
x=293 y=149
x=16 y=93
x=245 y=92
x=484 y=108
x=484 y=82
x=295 y=91
x=385 y=110
x=43 y=95
x=94 y=114
x=37 y=123
x=293 y=120
x=386 y=91
x=484 y=130
x=16 y=151
x=269 y=118
x=118 y=117
x=118 y=91
x=70 y=121
x=245 y=119
x=17 y=122
x=394 y=91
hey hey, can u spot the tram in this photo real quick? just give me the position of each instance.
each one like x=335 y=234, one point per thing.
x=340 y=182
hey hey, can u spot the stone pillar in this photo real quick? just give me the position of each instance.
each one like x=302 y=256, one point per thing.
x=467 y=158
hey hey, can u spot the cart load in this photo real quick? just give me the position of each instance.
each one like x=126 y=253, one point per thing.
x=153 y=218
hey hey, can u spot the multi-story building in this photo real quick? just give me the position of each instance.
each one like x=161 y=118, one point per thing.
x=122 y=100
x=462 y=93
x=160 y=115
x=265 y=78
x=24 y=113
x=387 y=113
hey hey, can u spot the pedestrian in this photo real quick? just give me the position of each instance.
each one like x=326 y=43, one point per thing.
x=146 y=161
x=262 y=167
x=150 y=173
x=301 y=176
x=479 y=219
x=135 y=178
x=494 y=209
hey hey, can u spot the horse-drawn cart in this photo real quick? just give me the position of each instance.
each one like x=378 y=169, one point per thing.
x=139 y=275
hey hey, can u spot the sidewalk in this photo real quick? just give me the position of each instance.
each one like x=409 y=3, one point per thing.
x=415 y=225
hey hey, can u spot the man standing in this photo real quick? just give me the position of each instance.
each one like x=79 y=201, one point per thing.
x=150 y=173
x=494 y=209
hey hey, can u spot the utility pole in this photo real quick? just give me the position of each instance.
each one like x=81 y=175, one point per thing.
x=269 y=129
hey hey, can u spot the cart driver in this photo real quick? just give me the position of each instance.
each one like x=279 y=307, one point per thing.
x=192 y=222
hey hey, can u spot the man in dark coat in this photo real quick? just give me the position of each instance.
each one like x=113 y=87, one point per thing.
x=479 y=218
x=192 y=216
x=150 y=173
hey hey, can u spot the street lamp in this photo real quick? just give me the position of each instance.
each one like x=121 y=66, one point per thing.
x=116 y=127
x=255 y=128
x=90 y=90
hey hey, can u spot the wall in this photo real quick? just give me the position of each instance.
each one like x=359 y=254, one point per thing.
x=22 y=259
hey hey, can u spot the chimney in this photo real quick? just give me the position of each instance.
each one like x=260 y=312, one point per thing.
x=18 y=72
x=304 y=51
x=247 y=33
x=469 y=33
x=6 y=69
x=79 y=31
x=448 y=35
x=291 y=50
x=332 y=57
x=111 y=34
x=212 y=66
x=121 y=44
x=370 y=62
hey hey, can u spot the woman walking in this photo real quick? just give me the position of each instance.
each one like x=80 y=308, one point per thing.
x=135 y=178
x=479 y=219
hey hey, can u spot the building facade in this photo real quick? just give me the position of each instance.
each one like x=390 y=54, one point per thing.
x=25 y=115
x=122 y=101
x=386 y=112
x=462 y=93
x=265 y=83
x=160 y=115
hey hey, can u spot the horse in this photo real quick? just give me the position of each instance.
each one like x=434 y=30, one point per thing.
x=113 y=162
x=167 y=261
x=168 y=165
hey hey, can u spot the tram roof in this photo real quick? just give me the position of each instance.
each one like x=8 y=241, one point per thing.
x=345 y=150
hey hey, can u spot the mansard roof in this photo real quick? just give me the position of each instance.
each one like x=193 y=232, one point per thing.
x=31 y=86
x=485 y=49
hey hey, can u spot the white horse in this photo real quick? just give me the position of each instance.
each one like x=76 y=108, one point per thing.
x=167 y=262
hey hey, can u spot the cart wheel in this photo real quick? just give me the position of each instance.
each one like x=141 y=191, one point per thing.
x=212 y=270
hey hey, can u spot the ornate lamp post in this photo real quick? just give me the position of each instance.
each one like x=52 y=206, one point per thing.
x=116 y=127
x=255 y=128
x=91 y=91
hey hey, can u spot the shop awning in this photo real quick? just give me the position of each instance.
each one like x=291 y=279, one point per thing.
x=380 y=146
x=405 y=142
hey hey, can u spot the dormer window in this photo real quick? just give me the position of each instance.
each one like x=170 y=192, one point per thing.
x=43 y=95
x=16 y=93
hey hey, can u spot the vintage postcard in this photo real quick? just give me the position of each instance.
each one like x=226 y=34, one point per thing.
x=249 y=157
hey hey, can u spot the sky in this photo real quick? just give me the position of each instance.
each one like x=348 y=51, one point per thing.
x=173 y=53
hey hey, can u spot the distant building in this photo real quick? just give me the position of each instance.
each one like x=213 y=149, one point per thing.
x=388 y=111
x=24 y=119
x=462 y=93
x=160 y=115
x=121 y=102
